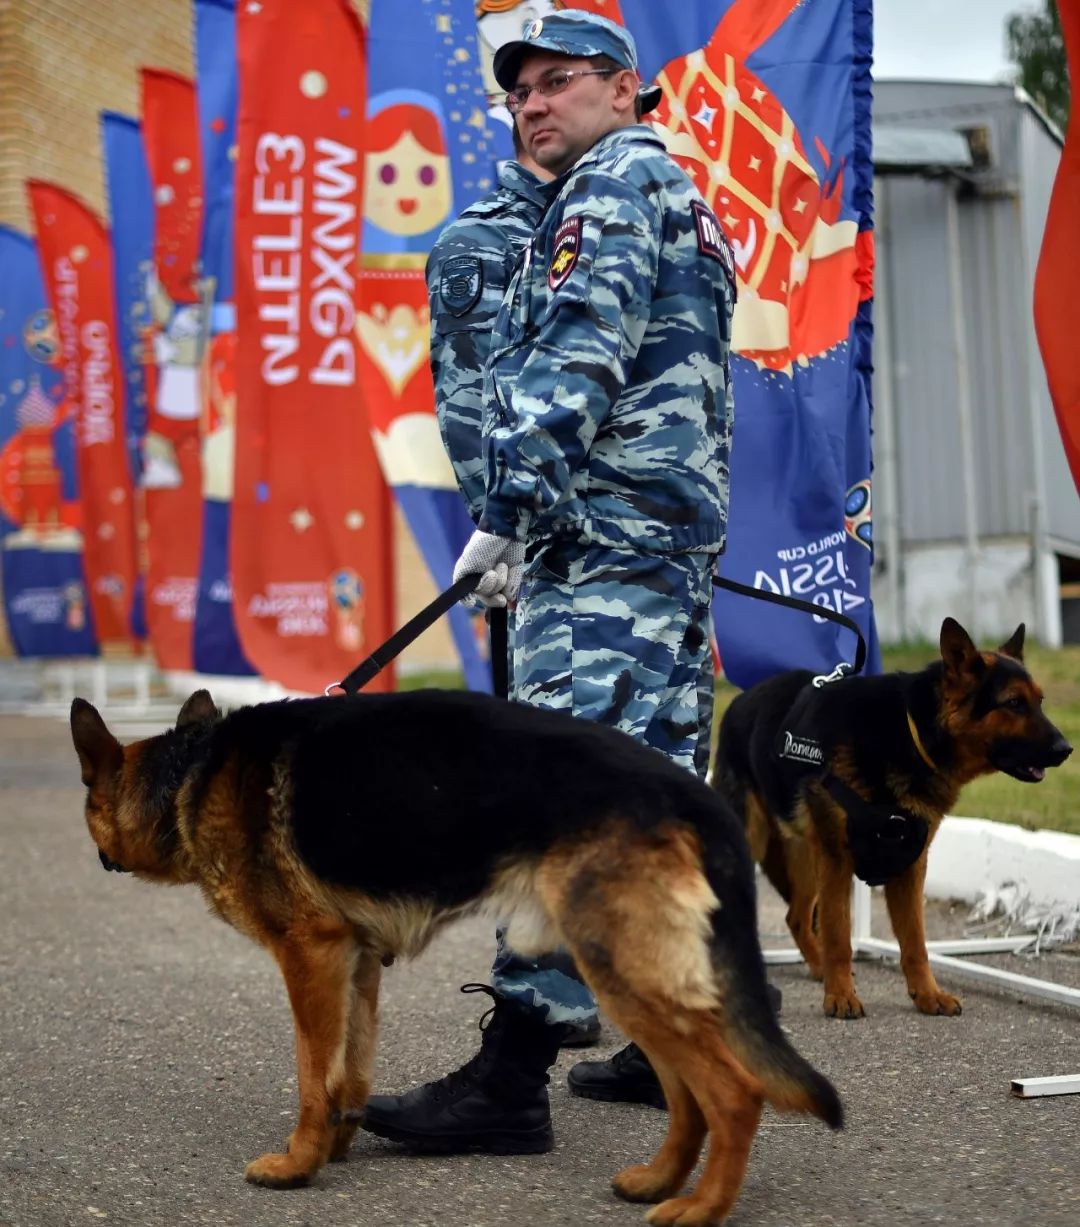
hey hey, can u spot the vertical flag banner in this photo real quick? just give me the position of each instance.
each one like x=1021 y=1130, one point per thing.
x=767 y=106
x=76 y=261
x=178 y=296
x=131 y=214
x=216 y=644
x=310 y=546
x=430 y=152
x=45 y=595
x=1059 y=262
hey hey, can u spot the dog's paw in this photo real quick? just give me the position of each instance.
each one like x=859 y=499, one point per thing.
x=277 y=1172
x=843 y=1005
x=685 y=1212
x=937 y=1002
x=644 y=1183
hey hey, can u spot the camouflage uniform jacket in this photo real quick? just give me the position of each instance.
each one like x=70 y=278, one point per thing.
x=467 y=274
x=607 y=408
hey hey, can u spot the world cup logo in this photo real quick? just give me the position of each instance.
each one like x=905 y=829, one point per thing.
x=347 y=600
x=858 y=513
x=41 y=337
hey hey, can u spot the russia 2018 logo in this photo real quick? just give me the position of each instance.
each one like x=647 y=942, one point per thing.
x=858 y=513
x=41 y=337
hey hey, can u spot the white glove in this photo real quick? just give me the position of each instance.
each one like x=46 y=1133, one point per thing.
x=497 y=560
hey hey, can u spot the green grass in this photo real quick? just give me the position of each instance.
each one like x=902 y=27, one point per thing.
x=1053 y=804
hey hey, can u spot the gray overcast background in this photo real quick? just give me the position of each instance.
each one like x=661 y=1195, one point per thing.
x=961 y=40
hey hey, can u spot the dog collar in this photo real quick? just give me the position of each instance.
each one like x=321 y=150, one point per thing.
x=918 y=743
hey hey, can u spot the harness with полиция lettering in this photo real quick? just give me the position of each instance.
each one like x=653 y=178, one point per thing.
x=884 y=838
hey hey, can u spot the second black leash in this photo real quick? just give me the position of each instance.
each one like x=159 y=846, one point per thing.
x=385 y=652
x=790 y=602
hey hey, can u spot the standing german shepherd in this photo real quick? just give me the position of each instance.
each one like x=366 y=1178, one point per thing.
x=340 y=832
x=905 y=742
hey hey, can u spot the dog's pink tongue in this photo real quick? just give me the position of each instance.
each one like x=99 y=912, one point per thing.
x=1038 y=773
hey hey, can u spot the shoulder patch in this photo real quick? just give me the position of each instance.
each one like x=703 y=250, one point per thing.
x=460 y=283
x=711 y=239
x=564 y=255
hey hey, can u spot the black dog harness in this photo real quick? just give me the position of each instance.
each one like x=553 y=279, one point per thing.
x=884 y=838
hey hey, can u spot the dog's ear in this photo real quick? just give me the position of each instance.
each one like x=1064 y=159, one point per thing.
x=1015 y=646
x=197 y=710
x=100 y=755
x=957 y=649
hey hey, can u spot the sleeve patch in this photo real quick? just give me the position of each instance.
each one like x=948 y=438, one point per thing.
x=460 y=284
x=564 y=255
x=711 y=239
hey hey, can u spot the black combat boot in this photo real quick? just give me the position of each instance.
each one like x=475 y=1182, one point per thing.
x=627 y=1077
x=497 y=1103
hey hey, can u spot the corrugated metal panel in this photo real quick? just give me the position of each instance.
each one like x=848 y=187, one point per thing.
x=911 y=242
x=995 y=302
x=1015 y=449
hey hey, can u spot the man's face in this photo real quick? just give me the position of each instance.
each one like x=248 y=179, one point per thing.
x=557 y=129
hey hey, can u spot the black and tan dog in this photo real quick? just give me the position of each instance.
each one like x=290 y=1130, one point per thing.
x=339 y=832
x=855 y=777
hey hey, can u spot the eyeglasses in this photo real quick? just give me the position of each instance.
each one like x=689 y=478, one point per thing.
x=549 y=84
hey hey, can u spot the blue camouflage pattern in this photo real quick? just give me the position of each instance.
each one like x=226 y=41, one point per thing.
x=620 y=638
x=549 y=987
x=608 y=411
x=467 y=274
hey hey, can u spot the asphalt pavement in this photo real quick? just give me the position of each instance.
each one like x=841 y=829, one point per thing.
x=147 y=1055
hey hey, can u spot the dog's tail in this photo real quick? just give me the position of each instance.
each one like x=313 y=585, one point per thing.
x=750 y=1026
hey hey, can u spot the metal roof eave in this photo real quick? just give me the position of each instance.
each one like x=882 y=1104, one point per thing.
x=904 y=150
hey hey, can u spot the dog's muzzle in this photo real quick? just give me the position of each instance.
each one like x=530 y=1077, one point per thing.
x=1028 y=763
x=109 y=864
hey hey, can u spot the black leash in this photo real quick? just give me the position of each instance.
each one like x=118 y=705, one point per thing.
x=499 y=638
x=820 y=611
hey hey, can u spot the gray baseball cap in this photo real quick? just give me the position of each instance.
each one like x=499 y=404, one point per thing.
x=572 y=33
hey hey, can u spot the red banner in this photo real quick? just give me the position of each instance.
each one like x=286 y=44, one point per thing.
x=1059 y=262
x=311 y=545
x=76 y=261
x=170 y=124
x=179 y=302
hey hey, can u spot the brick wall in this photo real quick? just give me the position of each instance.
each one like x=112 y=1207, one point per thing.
x=63 y=61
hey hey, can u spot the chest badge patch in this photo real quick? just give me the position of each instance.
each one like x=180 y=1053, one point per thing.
x=460 y=284
x=711 y=240
x=565 y=253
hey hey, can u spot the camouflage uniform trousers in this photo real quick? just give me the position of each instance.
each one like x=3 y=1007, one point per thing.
x=621 y=638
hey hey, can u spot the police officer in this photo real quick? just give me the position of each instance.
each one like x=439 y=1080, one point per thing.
x=607 y=424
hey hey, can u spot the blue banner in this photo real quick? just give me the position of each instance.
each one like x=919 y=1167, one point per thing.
x=45 y=596
x=431 y=153
x=767 y=105
x=216 y=643
x=131 y=221
x=216 y=89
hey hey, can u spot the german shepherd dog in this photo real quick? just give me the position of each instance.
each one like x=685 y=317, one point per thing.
x=901 y=741
x=340 y=832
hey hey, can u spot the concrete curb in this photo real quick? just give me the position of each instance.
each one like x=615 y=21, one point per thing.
x=972 y=858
